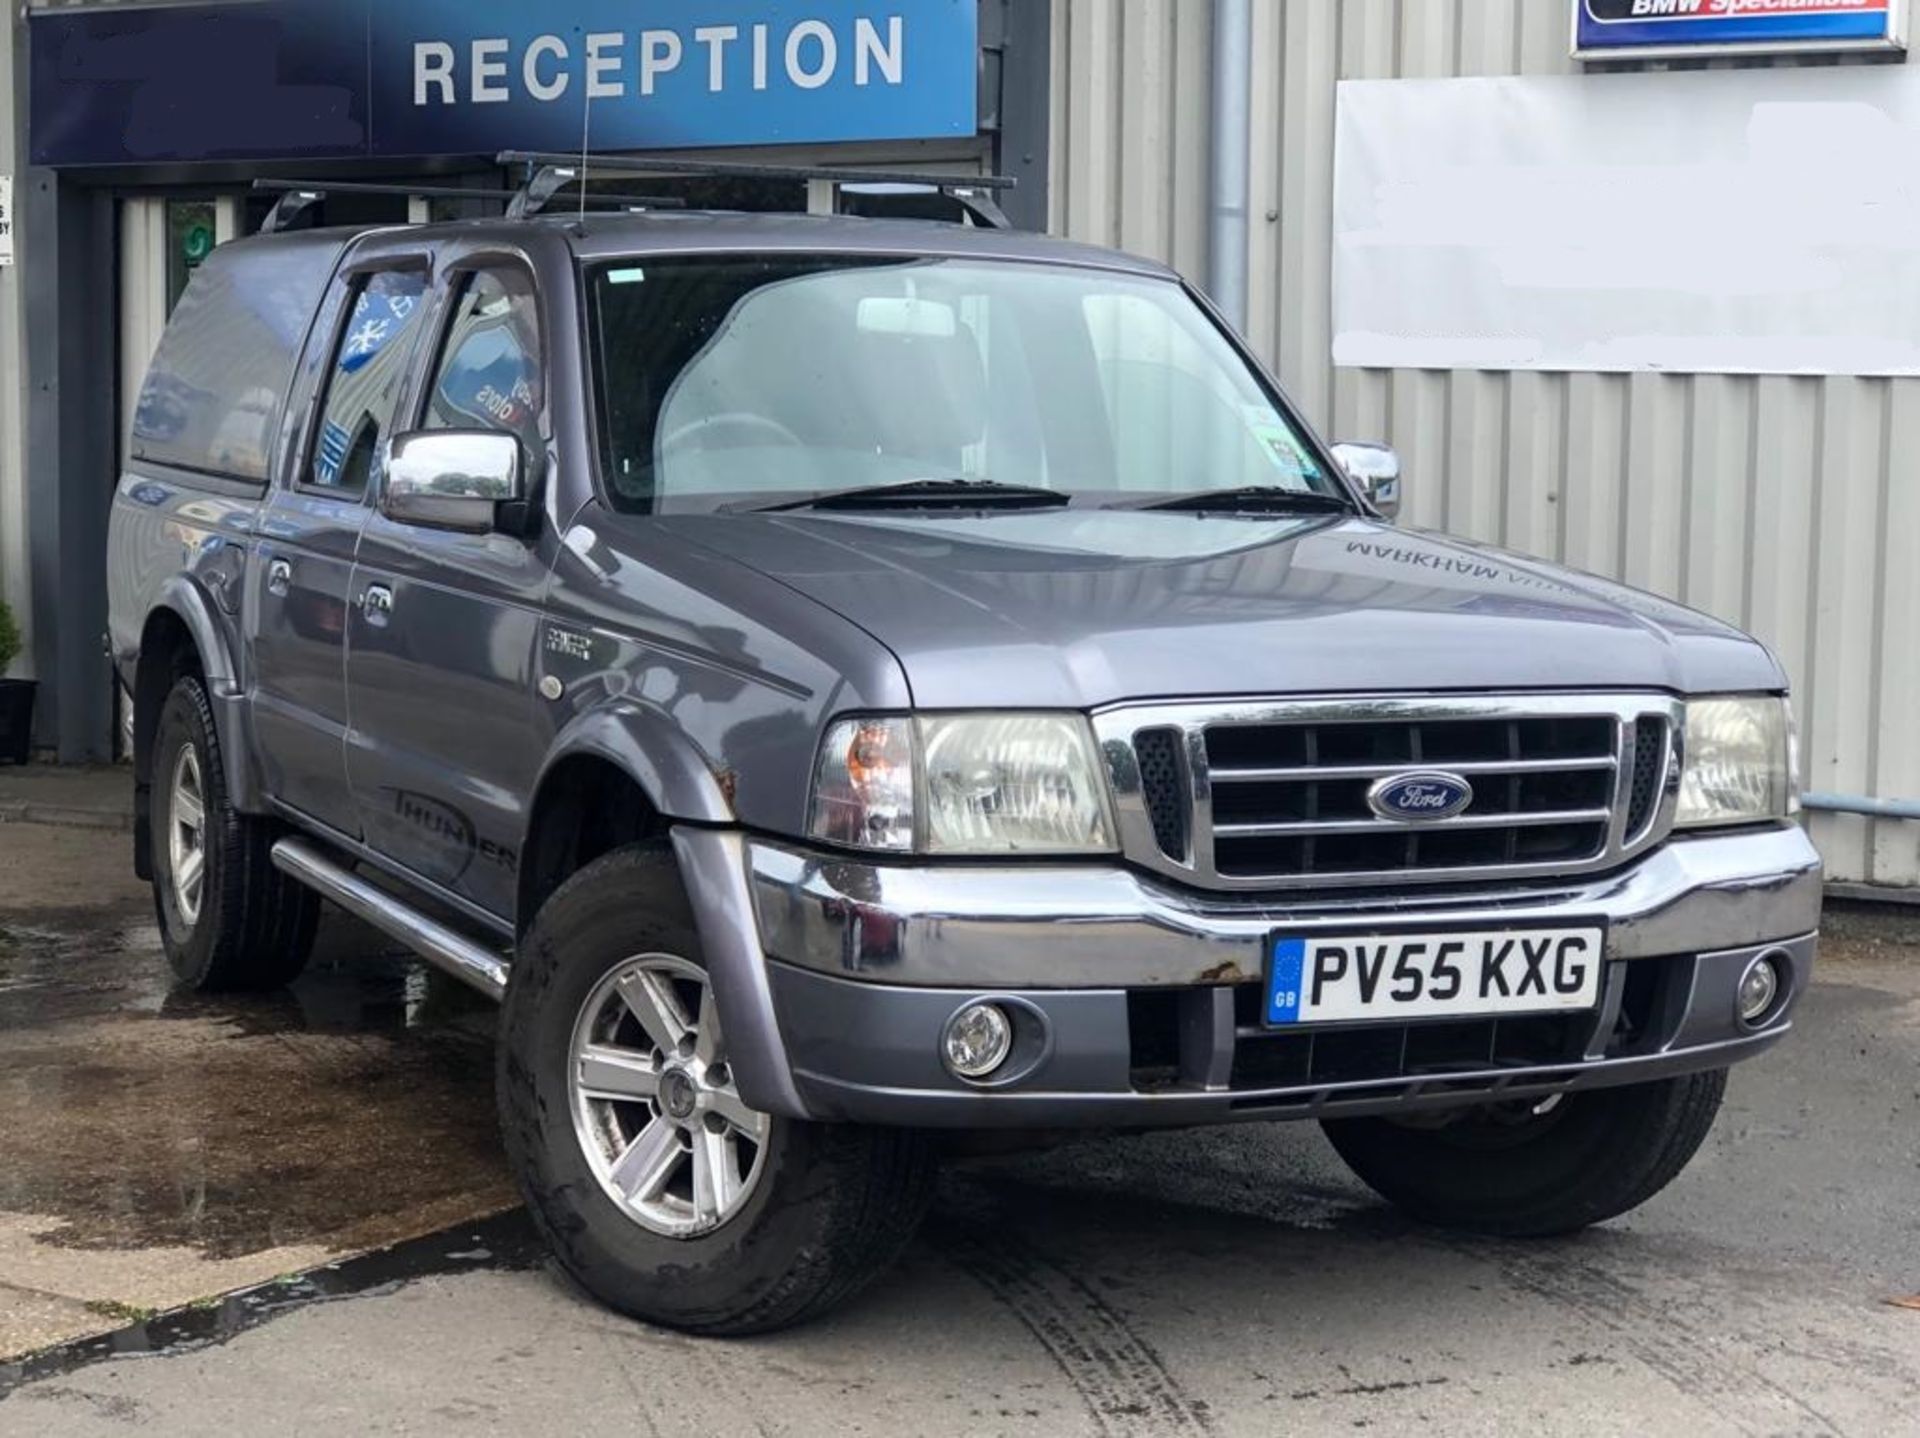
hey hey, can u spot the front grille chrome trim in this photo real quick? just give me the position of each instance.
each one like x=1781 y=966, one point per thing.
x=1115 y=728
x=1380 y=771
x=1375 y=826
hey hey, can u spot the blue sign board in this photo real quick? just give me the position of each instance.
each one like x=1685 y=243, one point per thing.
x=333 y=79
x=1692 y=27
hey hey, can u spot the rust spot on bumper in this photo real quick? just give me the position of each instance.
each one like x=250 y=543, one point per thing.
x=1227 y=972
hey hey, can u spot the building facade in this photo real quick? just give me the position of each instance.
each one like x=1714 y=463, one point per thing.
x=1787 y=504
x=1779 y=501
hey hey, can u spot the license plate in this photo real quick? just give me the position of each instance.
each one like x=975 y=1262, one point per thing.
x=1325 y=978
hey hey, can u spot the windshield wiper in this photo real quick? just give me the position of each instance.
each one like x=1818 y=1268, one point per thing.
x=954 y=493
x=1249 y=499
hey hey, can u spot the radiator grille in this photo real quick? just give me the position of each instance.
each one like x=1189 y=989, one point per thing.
x=1649 y=763
x=1278 y=795
x=1163 y=780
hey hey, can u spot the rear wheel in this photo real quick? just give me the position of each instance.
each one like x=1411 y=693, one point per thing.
x=228 y=918
x=1534 y=1167
x=661 y=1191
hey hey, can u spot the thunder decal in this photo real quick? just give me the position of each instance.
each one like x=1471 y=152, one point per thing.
x=451 y=830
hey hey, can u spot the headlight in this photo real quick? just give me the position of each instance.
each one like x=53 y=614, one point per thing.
x=963 y=784
x=1737 y=765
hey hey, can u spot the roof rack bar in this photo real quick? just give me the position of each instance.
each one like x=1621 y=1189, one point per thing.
x=368 y=187
x=299 y=196
x=742 y=170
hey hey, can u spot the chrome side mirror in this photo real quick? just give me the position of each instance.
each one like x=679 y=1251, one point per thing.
x=1376 y=469
x=453 y=479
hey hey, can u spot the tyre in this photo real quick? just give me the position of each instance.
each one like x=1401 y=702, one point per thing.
x=1531 y=1168
x=659 y=1190
x=228 y=919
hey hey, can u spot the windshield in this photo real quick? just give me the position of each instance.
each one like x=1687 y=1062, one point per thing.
x=755 y=377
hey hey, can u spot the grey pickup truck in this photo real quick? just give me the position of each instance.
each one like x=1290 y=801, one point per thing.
x=847 y=684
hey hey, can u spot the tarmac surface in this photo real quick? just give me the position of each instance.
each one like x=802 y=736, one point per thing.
x=158 y=1152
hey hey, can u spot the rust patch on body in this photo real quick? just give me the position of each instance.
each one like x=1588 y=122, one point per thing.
x=1223 y=973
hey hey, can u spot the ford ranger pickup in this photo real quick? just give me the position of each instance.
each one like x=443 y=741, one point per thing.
x=847 y=682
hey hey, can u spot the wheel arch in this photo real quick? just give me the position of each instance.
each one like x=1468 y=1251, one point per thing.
x=178 y=637
x=615 y=776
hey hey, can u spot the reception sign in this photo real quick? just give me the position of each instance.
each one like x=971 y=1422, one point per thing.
x=322 y=79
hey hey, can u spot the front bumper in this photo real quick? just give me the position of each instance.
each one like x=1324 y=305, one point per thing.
x=1144 y=996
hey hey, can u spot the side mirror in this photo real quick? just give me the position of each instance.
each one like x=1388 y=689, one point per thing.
x=1376 y=469
x=455 y=479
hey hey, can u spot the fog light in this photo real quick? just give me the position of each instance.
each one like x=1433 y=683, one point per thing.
x=1760 y=986
x=977 y=1040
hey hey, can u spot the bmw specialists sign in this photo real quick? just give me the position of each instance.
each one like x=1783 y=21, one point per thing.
x=1614 y=29
x=339 y=79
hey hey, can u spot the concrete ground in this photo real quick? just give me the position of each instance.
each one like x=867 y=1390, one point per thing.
x=1224 y=1282
x=157 y=1149
x=95 y=797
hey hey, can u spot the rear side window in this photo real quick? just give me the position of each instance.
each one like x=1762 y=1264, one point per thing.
x=364 y=381
x=214 y=392
x=489 y=375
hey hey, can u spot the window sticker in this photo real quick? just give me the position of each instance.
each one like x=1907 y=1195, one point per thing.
x=1284 y=450
x=379 y=316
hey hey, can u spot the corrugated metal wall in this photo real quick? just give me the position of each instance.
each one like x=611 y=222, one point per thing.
x=1786 y=505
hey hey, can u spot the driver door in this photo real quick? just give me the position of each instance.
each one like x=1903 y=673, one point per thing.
x=444 y=751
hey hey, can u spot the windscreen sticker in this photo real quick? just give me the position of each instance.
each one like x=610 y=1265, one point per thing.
x=1284 y=452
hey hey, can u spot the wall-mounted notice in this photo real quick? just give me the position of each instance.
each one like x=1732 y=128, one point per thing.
x=1731 y=221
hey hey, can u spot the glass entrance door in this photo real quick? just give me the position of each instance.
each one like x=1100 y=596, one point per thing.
x=163 y=240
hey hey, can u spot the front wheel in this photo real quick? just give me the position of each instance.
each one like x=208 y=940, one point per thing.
x=1535 y=1167
x=659 y=1189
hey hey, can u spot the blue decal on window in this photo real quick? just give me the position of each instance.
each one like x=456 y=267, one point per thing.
x=379 y=316
x=331 y=452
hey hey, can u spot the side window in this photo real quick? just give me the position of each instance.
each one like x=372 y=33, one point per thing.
x=489 y=375
x=364 y=381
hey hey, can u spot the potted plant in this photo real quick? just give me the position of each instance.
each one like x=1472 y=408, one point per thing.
x=16 y=696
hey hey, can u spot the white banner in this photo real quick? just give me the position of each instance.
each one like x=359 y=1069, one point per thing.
x=1738 y=221
x=6 y=219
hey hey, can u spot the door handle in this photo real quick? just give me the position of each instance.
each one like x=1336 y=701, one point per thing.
x=377 y=604
x=279 y=577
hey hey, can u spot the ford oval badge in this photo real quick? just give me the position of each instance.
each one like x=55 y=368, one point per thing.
x=1420 y=796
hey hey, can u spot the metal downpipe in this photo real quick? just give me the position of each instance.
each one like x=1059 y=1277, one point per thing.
x=1856 y=804
x=1232 y=78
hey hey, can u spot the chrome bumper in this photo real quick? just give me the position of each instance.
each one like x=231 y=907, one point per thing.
x=838 y=976
x=1074 y=926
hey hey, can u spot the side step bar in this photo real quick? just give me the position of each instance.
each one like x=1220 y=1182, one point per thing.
x=440 y=946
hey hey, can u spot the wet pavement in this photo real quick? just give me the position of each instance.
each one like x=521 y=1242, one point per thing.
x=1216 y=1282
x=161 y=1148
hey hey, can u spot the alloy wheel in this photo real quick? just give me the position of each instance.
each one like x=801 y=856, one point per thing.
x=187 y=835
x=655 y=1107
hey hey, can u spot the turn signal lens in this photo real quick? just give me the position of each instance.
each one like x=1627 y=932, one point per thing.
x=863 y=790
